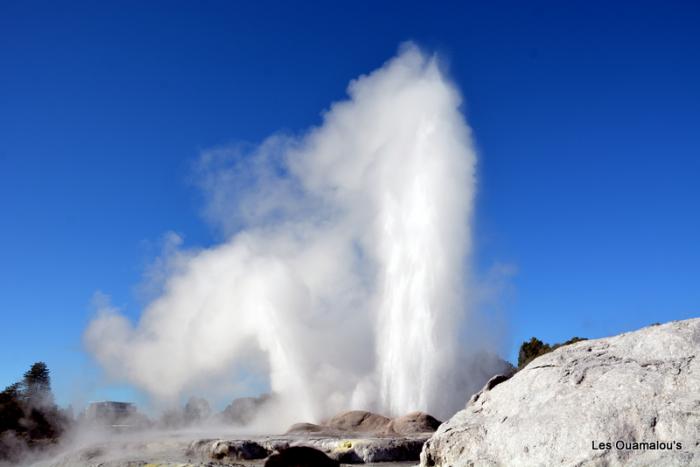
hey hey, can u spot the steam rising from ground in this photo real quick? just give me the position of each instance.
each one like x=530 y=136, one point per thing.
x=343 y=277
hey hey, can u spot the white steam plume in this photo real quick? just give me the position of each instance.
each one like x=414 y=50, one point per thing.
x=345 y=264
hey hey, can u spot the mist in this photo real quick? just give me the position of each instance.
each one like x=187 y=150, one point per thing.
x=343 y=279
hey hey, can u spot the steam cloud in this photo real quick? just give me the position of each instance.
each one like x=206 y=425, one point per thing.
x=343 y=276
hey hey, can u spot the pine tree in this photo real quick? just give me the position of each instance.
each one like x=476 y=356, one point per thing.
x=37 y=385
x=28 y=416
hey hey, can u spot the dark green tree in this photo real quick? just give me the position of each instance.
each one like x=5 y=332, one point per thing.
x=37 y=383
x=28 y=416
x=11 y=411
x=534 y=348
x=531 y=350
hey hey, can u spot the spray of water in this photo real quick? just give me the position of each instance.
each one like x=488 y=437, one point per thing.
x=342 y=279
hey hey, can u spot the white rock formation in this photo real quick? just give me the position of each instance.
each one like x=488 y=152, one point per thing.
x=631 y=400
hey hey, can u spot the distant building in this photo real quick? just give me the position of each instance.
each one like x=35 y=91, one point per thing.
x=111 y=413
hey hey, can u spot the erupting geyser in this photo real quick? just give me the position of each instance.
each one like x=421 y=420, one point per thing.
x=344 y=271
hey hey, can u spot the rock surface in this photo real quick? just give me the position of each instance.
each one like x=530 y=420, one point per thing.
x=363 y=422
x=638 y=387
x=177 y=450
x=413 y=423
x=301 y=456
x=354 y=437
x=358 y=421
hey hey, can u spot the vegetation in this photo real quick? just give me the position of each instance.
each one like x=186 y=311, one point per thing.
x=29 y=418
x=534 y=348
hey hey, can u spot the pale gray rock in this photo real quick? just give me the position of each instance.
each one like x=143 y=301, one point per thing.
x=384 y=450
x=227 y=450
x=641 y=387
x=351 y=449
x=366 y=450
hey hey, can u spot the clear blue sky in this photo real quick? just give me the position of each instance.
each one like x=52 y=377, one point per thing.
x=586 y=115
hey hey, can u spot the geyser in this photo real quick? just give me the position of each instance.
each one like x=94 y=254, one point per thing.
x=344 y=271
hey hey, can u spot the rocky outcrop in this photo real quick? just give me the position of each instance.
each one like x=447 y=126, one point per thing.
x=251 y=451
x=632 y=400
x=306 y=428
x=301 y=456
x=359 y=422
x=358 y=436
x=413 y=423
x=371 y=450
x=227 y=450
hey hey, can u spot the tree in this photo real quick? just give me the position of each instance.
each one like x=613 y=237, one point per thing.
x=28 y=416
x=196 y=410
x=11 y=408
x=37 y=383
x=531 y=350
x=534 y=348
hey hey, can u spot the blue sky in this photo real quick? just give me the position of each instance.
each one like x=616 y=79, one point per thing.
x=585 y=115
